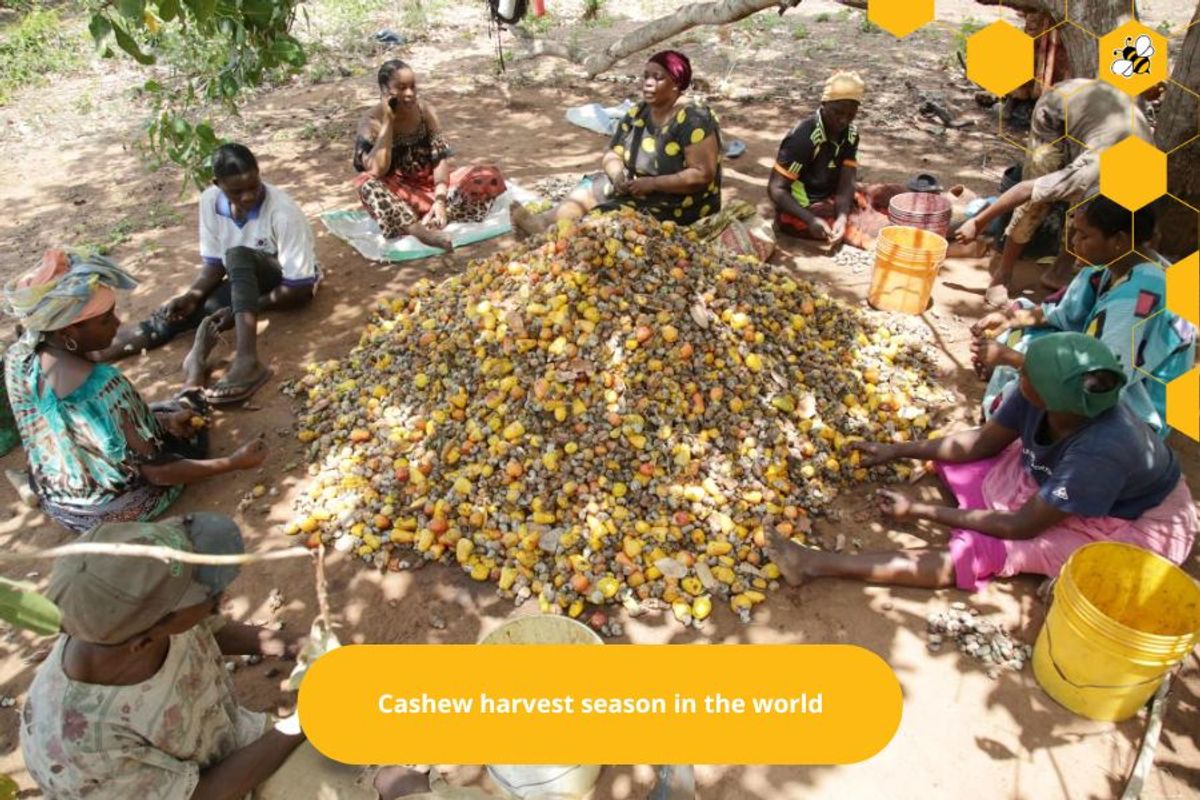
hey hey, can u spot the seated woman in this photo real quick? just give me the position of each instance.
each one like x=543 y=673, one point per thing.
x=406 y=183
x=97 y=452
x=1120 y=303
x=664 y=159
x=813 y=185
x=1062 y=464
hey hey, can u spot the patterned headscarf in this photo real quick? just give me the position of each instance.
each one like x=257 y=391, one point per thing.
x=677 y=66
x=62 y=290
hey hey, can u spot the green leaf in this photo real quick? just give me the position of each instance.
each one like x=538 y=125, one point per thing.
x=130 y=46
x=132 y=9
x=168 y=9
x=8 y=788
x=152 y=86
x=22 y=607
x=100 y=28
x=259 y=13
x=202 y=10
x=288 y=50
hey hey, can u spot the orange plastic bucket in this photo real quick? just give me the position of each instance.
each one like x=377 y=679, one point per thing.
x=907 y=261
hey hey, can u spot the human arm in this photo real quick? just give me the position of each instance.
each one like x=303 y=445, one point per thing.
x=957 y=448
x=240 y=772
x=779 y=190
x=239 y=639
x=1016 y=317
x=1031 y=519
x=182 y=306
x=1012 y=199
x=378 y=127
x=614 y=167
x=847 y=181
x=436 y=218
x=182 y=471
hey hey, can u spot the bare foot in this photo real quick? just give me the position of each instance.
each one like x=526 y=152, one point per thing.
x=195 y=364
x=524 y=223
x=431 y=237
x=791 y=558
x=250 y=455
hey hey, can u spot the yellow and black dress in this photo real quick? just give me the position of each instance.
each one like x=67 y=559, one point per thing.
x=650 y=151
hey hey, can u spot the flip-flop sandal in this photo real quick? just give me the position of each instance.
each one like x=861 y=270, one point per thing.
x=246 y=391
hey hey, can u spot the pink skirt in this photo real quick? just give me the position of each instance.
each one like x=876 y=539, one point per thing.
x=1002 y=483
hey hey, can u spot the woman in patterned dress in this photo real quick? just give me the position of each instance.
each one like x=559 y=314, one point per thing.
x=1121 y=301
x=664 y=159
x=97 y=451
x=405 y=179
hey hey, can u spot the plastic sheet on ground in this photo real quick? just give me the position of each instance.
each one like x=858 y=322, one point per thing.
x=361 y=232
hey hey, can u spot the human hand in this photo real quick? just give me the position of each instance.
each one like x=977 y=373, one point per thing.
x=178 y=423
x=251 y=454
x=822 y=229
x=181 y=307
x=967 y=232
x=894 y=505
x=620 y=183
x=838 y=231
x=990 y=324
x=640 y=187
x=436 y=218
x=987 y=354
x=874 y=453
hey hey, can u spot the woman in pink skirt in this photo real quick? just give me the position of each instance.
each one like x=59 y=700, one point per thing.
x=1061 y=463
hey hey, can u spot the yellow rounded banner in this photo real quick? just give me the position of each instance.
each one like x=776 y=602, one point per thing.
x=619 y=704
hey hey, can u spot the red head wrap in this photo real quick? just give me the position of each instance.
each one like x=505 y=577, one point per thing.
x=677 y=66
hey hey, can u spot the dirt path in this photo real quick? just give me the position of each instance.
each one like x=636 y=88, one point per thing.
x=962 y=734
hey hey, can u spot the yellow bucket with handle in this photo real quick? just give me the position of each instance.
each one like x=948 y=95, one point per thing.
x=1121 y=619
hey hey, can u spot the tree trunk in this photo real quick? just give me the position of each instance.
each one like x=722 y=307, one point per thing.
x=653 y=32
x=1177 y=123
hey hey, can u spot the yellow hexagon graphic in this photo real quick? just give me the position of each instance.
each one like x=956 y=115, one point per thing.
x=1069 y=227
x=1133 y=172
x=1133 y=58
x=1183 y=288
x=900 y=17
x=1183 y=404
x=1000 y=58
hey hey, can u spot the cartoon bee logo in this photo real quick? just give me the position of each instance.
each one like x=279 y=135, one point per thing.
x=1134 y=57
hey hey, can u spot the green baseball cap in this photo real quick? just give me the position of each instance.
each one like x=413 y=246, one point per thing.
x=107 y=599
x=1056 y=365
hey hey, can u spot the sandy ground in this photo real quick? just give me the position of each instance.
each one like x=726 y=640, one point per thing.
x=73 y=178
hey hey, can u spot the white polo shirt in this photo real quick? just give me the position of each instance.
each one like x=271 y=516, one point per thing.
x=277 y=227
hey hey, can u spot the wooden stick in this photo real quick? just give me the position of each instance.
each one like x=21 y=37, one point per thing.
x=1145 y=758
x=153 y=551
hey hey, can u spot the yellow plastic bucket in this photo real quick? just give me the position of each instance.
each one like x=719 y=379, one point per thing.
x=907 y=261
x=1122 y=617
x=544 y=782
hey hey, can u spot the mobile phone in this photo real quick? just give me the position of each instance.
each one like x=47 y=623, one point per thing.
x=392 y=103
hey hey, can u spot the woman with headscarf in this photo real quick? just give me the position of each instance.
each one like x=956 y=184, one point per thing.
x=96 y=451
x=405 y=181
x=664 y=159
x=1062 y=464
